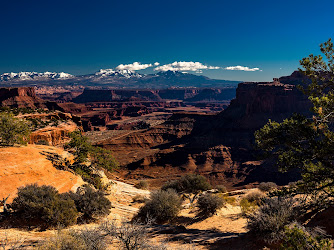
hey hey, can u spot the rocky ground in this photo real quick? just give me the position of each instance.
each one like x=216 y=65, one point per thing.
x=32 y=165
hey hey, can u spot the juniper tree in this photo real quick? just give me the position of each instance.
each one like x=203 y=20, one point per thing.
x=308 y=143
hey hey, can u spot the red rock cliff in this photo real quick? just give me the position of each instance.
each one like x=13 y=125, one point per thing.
x=20 y=97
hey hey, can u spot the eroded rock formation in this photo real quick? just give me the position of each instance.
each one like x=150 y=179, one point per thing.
x=20 y=166
x=20 y=97
x=218 y=146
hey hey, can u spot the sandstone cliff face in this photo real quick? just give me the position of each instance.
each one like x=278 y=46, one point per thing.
x=184 y=94
x=255 y=103
x=20 y=166
x=20 y=97
x=53 y=135
x=218 y=146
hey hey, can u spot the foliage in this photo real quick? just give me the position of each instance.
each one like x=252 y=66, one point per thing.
x=130 y=236
x=162 y=206
x=93 y=238
x=189 y=184
x=141 y=184
x=91 y=203
x=88 y=174
x=103 y=158
x=13 y=130
x=300 y=238
x=88 y=239
x=83 y=150
x=267 y=186
x=80 y=146
x=139 y=199
x=308 y=144
x=248 y=207
x=100 y=158
x=269 y=221
x=208 y=204
x=228 y=199
x=46 y=204
x=221 y=189
x=255 y=197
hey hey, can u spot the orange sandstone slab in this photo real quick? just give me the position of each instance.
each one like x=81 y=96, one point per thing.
x=20 y=166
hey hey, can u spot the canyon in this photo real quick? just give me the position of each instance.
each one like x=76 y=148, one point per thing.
x=162 y=134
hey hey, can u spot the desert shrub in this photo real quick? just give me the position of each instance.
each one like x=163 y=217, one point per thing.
x=142 y=184
x=13 y=130
x=189 y=184
x=10 y=242
x=267 y=186
x=63 y=241
x=103 y=158
x=269 y=221
x=208 y=204
x=255 y=197
x=162 y=206
x=84 y=150
x=247 y=207
x=229 y=199
x=221 y=189
x=139 y=199
x=88 y=239
x=91 y=203
x=88 y=175
x=46 y=204
x=130 y=236
x=93 y=238
x=79 y=145
x=298 y=237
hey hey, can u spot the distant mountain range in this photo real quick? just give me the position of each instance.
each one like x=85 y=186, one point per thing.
x=115 y=79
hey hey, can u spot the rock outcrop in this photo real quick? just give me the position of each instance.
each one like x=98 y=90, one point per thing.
x=20 y=166
x=53 y=135
x=218 y=146
x=183 y=94
x=20 y=97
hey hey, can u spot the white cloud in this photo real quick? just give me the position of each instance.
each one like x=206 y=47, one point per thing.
x=184 y=66
x=156 y=64
x=241 y=68
x=133 y=66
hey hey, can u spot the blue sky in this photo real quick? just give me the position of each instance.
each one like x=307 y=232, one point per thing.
x=81 y=37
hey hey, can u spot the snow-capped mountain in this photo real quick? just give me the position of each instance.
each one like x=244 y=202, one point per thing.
x=115 y=79
x=34 y=76
x=119 y=73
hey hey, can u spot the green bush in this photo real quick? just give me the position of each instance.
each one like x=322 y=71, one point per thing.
x=190 y=183
x=208 y=204
x=228 y=199
x=46 y=204
x=267 y=186
x=91 y=203
x=162 y=206
x=88 y=239
x=269 y=221
x=139 y=199
x=248 y=207
x=63 y=241
x=255 y=197
x=84 y=150
x=103 y=158
x=187 y=185
x=13 y=130
x=88 y=175
x=221 y=189
x=141 y=185
x=298 y=237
